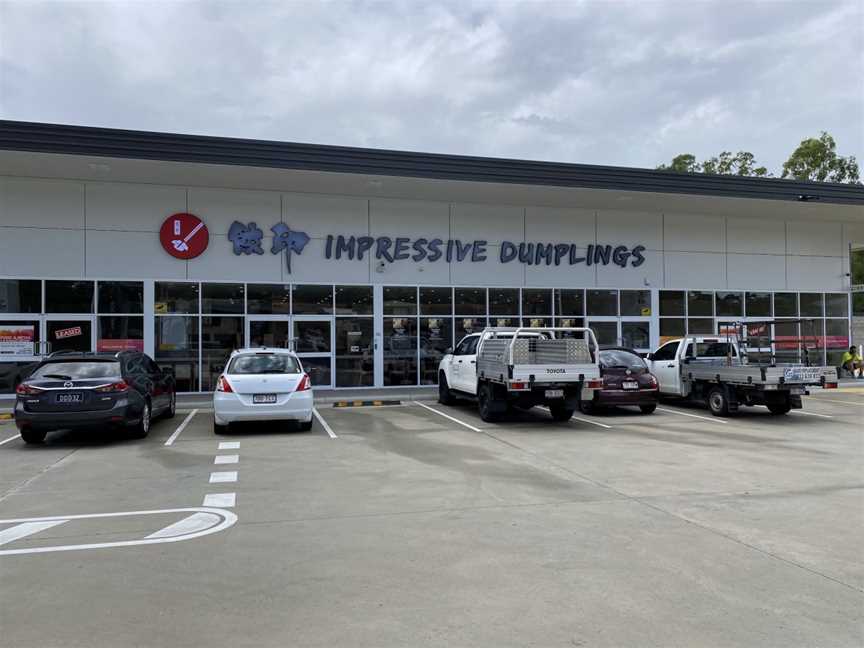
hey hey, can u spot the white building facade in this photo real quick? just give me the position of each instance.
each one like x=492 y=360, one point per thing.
x=373 y=263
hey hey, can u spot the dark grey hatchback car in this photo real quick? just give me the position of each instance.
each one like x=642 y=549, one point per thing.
x=126 y=390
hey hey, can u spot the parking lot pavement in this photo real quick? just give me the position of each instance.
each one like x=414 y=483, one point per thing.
x=422 y=525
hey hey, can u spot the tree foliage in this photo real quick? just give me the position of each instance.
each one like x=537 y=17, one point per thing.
x=817 y=160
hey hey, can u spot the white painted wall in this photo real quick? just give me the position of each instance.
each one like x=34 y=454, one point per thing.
x=60 y=228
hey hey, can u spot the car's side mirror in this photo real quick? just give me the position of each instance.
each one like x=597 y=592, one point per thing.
x=649 y=356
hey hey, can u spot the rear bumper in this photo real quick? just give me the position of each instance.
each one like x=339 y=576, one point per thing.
x=124 y=412
x=229 y=408
x=634 y=397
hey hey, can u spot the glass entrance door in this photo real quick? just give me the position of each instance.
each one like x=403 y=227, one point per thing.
x=310 y=337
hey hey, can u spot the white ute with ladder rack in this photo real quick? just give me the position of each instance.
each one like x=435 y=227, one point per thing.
x=506 y=367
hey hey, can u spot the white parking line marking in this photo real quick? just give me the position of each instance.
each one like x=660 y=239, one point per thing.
x=813 y=414
x=704 y=418
x=584 y=420
x=447 y=416
x=324 y=423
x=182 y=427
x=220 y=500
x=223 y=477
x=223 y=518
x=192 y=524
x=226 y=459
x=819 y=399
x=12 y=438
x=229 y=445
x=25 y=529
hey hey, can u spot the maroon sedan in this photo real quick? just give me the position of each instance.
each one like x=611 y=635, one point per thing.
x=626 y=381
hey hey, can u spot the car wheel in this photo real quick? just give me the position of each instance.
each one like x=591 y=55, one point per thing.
x=486 y=404
x=779 y=409
x=304 y=426
x=220 y=429
x=648 y=409
x=587 y=407
x=445 y=396
x=172 y=407
x=560 y=412
x=717 y=402
x=142 y=428
x=33 y=437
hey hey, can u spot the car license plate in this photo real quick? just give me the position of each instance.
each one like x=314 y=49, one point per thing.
x=629 y=384
x=554 y=393
x=797 y=391
x=68 y=399
x=264 y=398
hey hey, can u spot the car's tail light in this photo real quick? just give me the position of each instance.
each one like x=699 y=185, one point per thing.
x=594 y=383
x=652 y=381
x=120 y=386
x=304 y=383
x=830 y=385
x=27 y=390
x=224 y=386
x=519 y=386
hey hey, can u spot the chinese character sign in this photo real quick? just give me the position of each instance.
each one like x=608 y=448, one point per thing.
x=246 y=239
x=284 y=238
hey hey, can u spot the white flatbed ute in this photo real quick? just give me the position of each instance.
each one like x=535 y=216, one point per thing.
x=506 y=367
x=716 y=371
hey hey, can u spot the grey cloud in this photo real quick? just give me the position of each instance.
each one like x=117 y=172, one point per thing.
x=594 y=82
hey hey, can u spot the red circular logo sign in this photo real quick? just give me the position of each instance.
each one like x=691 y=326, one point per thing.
x=184 y=236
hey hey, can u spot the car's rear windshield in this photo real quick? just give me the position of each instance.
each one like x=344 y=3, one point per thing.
x=78 y=370
x=620 y=358
x=263 y=363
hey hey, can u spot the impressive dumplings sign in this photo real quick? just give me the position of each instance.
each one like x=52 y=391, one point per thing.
x=385 y=248
x=248 y=239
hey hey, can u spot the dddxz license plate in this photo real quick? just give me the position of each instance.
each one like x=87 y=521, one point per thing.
x=264 y=398
x=68 y=399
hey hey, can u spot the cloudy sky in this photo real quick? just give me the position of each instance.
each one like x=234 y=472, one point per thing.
x=602 y=82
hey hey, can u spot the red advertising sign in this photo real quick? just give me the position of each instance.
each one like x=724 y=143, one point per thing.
x=62 y=334
x=184 y=236
x=17 y=339
x=114 y=345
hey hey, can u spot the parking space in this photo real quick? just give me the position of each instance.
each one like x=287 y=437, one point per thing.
x=420 y=524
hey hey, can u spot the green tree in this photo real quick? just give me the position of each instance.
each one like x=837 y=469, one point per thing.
x=742 y=163
x=817 y=160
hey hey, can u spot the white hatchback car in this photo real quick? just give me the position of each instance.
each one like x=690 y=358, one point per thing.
x=262 y=384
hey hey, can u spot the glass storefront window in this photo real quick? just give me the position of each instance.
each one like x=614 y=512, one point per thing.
x=758 y=304
x=786 y=341
x=636 y=335
x=121 y=297
x=672 y=303
x=435 y=338
x=120 y=333
x=219 y=337
x=836 y=305
x=504 y=321
x=176 y=349
x=400 y=351
x=700 y=326
x=671 y=327
x=569 y=322
x=602 y=302
x=268 y=299
x=837 y=334
x=785 y=304
x=399 y=300
x=536 y=301
x=319 y=370
x=264 y=333
x=536 y=322
x=355 y=360
x=20 y=296
x=729 y=304
x=69 y=296
x=636 y=303
x=470 y=301
x=353 y=300
x=436 y=301
x=605 y=332
x=219 y=298
x=503 y=301
x=312 y=336
x=312 y=300
x=467 y=325
x=811 y=305
x=569 y=302
x=171 y=297
x=700 y=303
x=18 y=341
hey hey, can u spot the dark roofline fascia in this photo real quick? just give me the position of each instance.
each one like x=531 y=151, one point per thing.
x=116 y=143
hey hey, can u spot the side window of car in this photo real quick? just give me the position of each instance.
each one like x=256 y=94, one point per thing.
x=667 y=352
x=462 y=347
x=472 y=345
x=152 y=367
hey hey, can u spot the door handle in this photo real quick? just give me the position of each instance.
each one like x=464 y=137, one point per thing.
x=671 y=366
x=459 y=361
x=473 y=362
